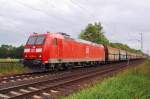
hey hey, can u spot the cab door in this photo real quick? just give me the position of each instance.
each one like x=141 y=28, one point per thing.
x=60 y=49
x=56 y=50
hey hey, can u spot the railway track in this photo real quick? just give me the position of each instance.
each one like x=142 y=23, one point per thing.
x=27 y=78
x=6 y=81
x=16 y=79
x=44 y=88
x=19 y=77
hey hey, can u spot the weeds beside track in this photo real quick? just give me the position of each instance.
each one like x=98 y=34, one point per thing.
x=133 y=83
x=9 y=68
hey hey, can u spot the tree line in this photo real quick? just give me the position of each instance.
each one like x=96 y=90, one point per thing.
x=9 y=51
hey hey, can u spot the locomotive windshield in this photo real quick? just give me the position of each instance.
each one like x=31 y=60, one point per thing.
x=36 y=40
x=39 y=40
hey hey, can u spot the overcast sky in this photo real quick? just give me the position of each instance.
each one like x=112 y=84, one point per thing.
x=122 y=20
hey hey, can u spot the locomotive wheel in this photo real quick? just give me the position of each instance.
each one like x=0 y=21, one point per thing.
x=59 y=66
x=70 y=66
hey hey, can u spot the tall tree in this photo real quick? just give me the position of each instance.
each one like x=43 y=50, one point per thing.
x=94 y=33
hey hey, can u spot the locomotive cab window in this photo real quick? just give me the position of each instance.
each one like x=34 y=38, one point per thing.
x=36 y=40
x=31 y=40
x=40 y=40
x=55 y=42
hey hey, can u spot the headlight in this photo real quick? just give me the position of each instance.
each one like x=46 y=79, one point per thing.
x=27 y=50
x=40 y=56
x=39 y=50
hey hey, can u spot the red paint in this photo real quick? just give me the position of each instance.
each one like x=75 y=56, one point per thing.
x=65 y=48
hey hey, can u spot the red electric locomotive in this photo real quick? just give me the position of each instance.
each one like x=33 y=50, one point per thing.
x=59 y=50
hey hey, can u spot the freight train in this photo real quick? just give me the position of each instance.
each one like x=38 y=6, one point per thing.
x=53 y=51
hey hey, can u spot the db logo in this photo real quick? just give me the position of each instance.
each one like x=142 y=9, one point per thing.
x=32 y=50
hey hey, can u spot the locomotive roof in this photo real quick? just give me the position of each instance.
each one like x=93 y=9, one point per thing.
x=66 y=36
x=87 y=42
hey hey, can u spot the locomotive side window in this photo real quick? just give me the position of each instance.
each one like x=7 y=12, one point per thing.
x=55 y=42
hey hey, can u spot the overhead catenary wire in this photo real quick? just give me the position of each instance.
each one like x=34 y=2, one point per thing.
x=61 y=20
x=81 y=9
x=44 y=12
x=85 y=10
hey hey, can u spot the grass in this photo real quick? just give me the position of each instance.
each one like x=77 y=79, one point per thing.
x=131 y=84
x=8 y=69
x=9 y=60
